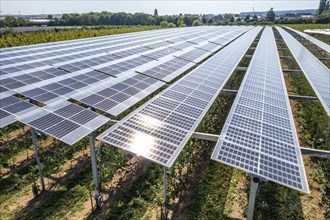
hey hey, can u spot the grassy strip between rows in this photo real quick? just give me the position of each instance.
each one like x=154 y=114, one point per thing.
x=66 y=200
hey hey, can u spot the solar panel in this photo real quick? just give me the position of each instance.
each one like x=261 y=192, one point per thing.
x=208 y=46
x=197 y=40
x=26 y=60
x=116 y=96
x=195 y=55
x=159 y=129
x=85 y=62
x=64 y=121
x=317 y=42
x=73 y=59
x=228 y=36
x=181 y=46
x=12 y=107
x=121 y=67
x=130 y=52
x=87 y=45
x=157 y=44
x=259 y=135
x=156 y=54
x=315 y=71
x=168 y=69
x=63 y=87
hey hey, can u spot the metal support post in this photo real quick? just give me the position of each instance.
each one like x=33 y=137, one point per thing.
x=165 y=193
x=252 y=197
x=36 y=151
x=97 y=195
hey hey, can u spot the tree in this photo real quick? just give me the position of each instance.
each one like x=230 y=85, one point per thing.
x=322 y=6
x=227 y=16
x=204 y=19
x=196 y=23
x=10 y=21
x=232 y=19
x=323 y=18
x=50 y=17
x=270 y=15
x=21 y=21
x=155 y=12
x=247 y=18
x=238 y=19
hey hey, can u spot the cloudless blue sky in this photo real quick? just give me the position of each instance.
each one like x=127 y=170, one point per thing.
x=164 y=7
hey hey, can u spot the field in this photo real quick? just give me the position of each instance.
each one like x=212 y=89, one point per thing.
x=21 y=39
x=132 y=187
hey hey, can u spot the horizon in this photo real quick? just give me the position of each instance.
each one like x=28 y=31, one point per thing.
x=9 y=7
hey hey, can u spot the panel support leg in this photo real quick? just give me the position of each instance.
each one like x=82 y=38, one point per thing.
x=252 y=197
x=165 y=193
x=36 y=151
x=97 y=195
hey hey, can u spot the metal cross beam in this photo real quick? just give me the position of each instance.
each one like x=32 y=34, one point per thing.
x=324 y=59
x=292 y=58
x=286 y=58
x=291 y=71
x=293 y=97
x=305 y=151
x=304 y=98
x=241 y=68
x=215 y=137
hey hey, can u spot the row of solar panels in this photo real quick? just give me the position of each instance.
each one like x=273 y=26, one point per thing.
x=317 y=74
x=313 y=40
x=259 y=135
x=61 y=81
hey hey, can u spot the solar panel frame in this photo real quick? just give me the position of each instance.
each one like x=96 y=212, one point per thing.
x=11 y=107
x=314 y=70
x=254 y=145
x=317 y=42
x=166 y=65
x=63 y=128
x=105 y=94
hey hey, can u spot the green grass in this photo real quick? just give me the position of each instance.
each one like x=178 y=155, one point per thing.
x=65 y=201
x=134 y=202
x=23 y=39
x=302 y=27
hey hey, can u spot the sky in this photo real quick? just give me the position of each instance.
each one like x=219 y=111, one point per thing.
x=168 y=7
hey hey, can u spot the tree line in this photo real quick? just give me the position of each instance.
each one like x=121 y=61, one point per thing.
x=109 y=18
x=181 y=20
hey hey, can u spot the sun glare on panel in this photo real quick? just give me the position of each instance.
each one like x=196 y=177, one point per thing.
x=151 y=121
x=142 y=144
